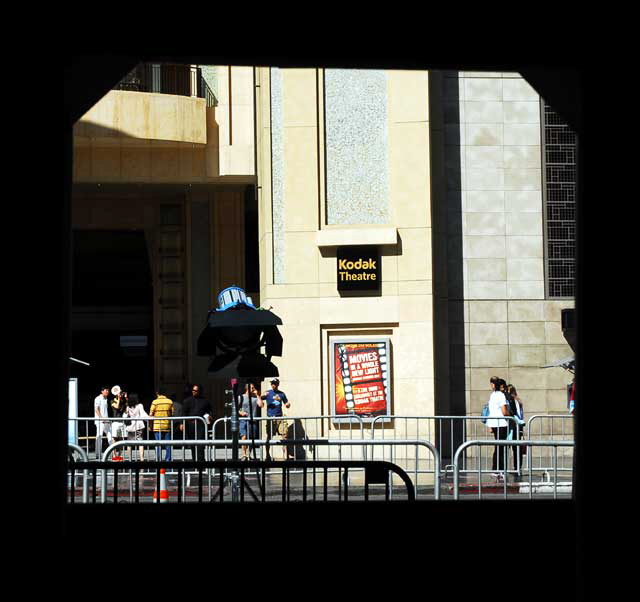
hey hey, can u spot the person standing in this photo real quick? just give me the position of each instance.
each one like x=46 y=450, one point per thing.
x=117 y=411
x=103 y=427
x=275 y=399
x=498 y=408
x=162 y=407
x=249 y=410
x=194 y=406
x=516 y=427
x=135 y=430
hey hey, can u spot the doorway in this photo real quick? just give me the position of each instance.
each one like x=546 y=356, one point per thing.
x=111 y=314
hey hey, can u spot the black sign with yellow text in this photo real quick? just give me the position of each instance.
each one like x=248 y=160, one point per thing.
x=359 y=268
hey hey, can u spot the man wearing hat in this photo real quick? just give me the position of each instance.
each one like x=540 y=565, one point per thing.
x=275 y=399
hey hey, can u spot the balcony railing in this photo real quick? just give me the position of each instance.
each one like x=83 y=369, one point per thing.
x=168 y=78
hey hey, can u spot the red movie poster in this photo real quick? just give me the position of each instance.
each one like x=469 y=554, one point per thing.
x=361 y=373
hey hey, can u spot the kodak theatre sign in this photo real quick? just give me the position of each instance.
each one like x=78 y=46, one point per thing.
x=359 y=268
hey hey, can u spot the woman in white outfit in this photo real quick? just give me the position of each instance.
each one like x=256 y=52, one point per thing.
x=135 y=430
x=498 y=408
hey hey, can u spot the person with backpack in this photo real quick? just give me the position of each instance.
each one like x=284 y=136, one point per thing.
x=498 y=409
x=516 y=431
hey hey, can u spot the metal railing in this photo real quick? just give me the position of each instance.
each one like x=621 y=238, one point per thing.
x=101 y=470
x=87 y=425
x=289 y=481
x=71 y=483
x=299 y=428
x=501 y=475
x=425 y=447
x=550 y=427
x=333 y=473
x=168 y=78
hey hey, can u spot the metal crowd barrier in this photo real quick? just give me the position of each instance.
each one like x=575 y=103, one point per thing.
x=448 y=433
x=85 y=474
x=300 y=427
x=519 y=486
x=182 y=466
x=295 y=481
x=550 y=427
x=400 y=440
x=148 y=421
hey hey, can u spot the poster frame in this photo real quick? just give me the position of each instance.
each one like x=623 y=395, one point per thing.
x=336 y=339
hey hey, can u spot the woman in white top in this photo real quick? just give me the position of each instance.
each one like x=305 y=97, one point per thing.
x=498 y=408
x=135 y=429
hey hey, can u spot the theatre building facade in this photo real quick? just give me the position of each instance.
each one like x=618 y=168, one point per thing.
x=414 y=230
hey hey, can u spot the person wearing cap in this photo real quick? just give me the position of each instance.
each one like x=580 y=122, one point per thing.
x=275 y=399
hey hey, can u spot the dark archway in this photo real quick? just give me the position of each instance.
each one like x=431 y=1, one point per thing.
x=111 y=313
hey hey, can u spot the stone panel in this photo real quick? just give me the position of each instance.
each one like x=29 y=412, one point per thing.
x=517 y=134
x=485 y=201
x=521 y=247
x=486 y=270
x=487 y=311
x=525 y=269
x=526 y=355
x=488 y=333
x=484 y=224
x=523 y=201
x=526 y=311
x=486 y=356
x=526 y=333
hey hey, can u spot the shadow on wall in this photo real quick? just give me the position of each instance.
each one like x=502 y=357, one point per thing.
x=448 y=285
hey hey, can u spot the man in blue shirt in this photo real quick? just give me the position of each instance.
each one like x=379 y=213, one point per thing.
x=275 y=399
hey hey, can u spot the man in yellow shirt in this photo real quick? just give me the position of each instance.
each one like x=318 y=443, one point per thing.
x=162 y=406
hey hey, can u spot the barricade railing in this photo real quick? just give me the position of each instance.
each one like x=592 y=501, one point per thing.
x=500 y=474
x=447 y=432
x=183 y=466
x=88 y=430
x=300 y=426
x=297 y=428
x=550 y=427
x=71 y=484
x=293 y=481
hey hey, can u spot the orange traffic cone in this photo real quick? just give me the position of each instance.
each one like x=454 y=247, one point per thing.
x=164 y=493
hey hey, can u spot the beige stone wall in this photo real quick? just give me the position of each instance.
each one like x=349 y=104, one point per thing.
x=510 y=329
x=235 y=120
x=513 y=340
x=308 y=301
x=162 y=138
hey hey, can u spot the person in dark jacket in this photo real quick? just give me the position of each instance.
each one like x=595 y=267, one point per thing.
x=193 y=406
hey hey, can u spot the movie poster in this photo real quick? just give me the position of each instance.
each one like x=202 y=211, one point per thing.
x=361 y=377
